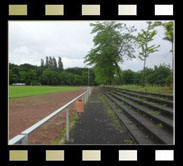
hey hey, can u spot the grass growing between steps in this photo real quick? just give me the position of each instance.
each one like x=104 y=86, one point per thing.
x=116 y=122
x=160 y=125
x=155 y=112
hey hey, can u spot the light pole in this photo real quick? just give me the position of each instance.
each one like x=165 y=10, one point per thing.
x=88 y=78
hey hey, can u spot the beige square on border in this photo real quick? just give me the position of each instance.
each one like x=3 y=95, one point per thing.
x=164 y=155
x=91 y=155
x=54 y=155
x=163 y=10
x=90 y=10
x=18 y=155
x=127 y=155
x=127 y=10
x=15 y=10
x=54 y=10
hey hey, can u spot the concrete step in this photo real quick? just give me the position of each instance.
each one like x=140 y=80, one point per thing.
x=160 y=135
x=167 y=96
x=135 y=131
x=164 y=110
x=148 y=98
x=158 y=118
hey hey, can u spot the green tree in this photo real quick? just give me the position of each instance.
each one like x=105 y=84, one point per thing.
x=60 y=64
x=50 y=77
x=128 y=77
x=169 y=36
x=112 y=42
x=28 y=77
x=13 y=78
x=50 y=62
x=42 y=63
x=169 y=33
x=23 y=76
x=31 y=75
x=162 y=75
x=47 y=62
x=54 y=63
x=144 y=38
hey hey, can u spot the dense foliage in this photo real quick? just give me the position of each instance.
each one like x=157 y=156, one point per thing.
x=49 y=75
x=34 y=75
x=113 y=41
x=144 y=38
x=160 y=75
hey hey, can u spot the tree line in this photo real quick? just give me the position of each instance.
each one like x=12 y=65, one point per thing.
x=159 y=75
x=50 y=73
x=36 y=75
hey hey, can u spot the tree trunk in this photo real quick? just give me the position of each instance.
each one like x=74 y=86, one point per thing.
x=118 y=73
x=172 y=61
x=143 y=76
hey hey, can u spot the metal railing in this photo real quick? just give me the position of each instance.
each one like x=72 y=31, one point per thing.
x=23 y=137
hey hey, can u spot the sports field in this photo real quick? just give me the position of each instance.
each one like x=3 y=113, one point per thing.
x=25 y=91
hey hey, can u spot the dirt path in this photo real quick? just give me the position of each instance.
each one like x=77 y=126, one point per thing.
x=97 y=126
x=24 y=112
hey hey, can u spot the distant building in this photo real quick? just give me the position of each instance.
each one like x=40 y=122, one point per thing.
x=19 y=84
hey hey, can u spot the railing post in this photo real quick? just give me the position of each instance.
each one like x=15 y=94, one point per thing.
x=89 y=91
x=85 y=97
x=25 y=140
x=67 y=123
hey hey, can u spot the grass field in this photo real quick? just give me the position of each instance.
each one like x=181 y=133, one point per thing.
x=25 y=91
x=148 y=88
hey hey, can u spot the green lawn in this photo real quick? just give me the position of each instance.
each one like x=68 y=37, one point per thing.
x=25 y=91
x=149 y=88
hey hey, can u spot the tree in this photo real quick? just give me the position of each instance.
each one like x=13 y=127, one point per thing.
x=50 y=77
x=110 y=47
x=23 y=76
x=42 y=63
x=47 y=62
x=60 y=64
x=54 y=63
x=31 y=76
x=144 y=38
x=128 y=77
x=12 y=77
x=162 y=75
x=169 y=36
x=50 y=62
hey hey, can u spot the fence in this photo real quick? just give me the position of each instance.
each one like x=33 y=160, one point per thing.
x=23 y=137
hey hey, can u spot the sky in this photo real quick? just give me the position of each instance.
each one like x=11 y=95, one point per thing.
x=31 y=41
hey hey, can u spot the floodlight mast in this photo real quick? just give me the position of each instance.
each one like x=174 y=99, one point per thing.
x=88 y=78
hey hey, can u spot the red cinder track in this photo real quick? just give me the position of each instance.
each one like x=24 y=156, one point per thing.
x=24 y=112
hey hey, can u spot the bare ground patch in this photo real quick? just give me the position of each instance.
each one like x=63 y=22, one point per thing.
x=24 y=112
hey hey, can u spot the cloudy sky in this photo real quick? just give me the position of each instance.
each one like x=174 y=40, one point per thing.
x=29 y=41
